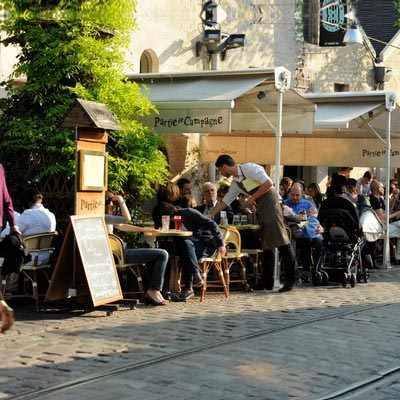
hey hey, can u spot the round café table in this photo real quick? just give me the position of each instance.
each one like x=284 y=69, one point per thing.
x=247 y=227
x=170 y=233
x=162 y=238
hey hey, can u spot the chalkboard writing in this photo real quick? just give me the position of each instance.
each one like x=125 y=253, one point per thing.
x=97 y=259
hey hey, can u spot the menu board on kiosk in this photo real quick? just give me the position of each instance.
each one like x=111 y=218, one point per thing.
x=98 y=263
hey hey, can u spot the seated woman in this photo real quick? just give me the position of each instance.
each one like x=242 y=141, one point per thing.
x=158 y=258
x=314 y=191
x=205 y=241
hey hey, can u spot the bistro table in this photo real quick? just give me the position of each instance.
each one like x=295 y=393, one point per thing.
x=170 y=233
x=165 y=240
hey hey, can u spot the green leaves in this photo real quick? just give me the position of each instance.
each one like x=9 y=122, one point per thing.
x=73 y=49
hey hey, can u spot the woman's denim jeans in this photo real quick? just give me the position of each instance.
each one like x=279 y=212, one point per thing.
x=157 y=258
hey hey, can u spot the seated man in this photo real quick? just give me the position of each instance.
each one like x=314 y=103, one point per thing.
x=209 y=195
x=206 y=239
x=295 y=210
x=35 y=219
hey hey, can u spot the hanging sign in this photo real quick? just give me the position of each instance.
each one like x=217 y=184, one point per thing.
x=332 y=23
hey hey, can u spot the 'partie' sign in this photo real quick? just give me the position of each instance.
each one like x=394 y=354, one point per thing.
x=190 y=121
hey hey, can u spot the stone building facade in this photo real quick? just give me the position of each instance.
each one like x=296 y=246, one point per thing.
x=170 y=38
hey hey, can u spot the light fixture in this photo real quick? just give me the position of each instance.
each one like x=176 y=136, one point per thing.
x=211 y=35
x=236 y=40
x=261 y=95
x=353 y=36
x=214 y=40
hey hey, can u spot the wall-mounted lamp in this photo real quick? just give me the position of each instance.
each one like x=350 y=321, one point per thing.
x=216 y=42
x=236 y=40
x=211 y=35
x=261 y=95
x=353 y=36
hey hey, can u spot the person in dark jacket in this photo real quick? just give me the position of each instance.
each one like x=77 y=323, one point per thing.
x=210 y=200
x=7 y=215
x=206 y=239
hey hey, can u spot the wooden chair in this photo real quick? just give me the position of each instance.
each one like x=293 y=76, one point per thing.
x=234 y=256
x=40 y=246
x=118 y=249
x=213 y=264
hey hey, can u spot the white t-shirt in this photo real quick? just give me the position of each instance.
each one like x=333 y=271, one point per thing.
x=248 y=170
x=36 y=219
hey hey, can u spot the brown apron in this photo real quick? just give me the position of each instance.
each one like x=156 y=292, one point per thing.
x=270 y=217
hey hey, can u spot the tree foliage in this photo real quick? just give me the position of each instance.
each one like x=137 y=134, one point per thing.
x=73 y=49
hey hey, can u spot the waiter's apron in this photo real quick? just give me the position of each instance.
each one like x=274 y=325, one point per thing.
x=270 y=217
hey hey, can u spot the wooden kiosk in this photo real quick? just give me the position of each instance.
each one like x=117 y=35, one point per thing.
x=85 y=265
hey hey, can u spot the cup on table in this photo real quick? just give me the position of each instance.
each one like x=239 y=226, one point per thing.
x=178 y=222
x=303 y=215
x=236 y=220
x=165 y=223
x=243 y=219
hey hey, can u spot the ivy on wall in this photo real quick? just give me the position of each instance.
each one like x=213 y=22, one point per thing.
x=73 y=49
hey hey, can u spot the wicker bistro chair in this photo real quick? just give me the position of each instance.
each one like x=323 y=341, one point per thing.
x=234 y=257
x=40 y=246
x=118 y=249
x=213 y=264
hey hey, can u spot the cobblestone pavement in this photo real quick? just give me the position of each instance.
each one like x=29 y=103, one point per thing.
x=312 y=343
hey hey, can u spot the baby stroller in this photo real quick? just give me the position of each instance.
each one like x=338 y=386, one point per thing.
x=343 y=240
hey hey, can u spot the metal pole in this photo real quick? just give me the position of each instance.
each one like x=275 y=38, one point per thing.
x=278 y=144
x=215 y=60
x=386 y=242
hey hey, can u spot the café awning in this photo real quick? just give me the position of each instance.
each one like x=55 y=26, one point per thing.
x=350 y=129
x=224 y=102
x=353 y=113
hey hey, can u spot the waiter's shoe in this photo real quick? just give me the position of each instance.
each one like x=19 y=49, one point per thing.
x=263 y=286
x=287 y=287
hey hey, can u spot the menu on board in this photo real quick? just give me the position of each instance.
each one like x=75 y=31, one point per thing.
x=97 y=259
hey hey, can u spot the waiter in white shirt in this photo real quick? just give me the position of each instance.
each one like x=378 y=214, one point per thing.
x=252 y=180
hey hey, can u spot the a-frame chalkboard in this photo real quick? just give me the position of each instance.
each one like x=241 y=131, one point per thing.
x=91 y=237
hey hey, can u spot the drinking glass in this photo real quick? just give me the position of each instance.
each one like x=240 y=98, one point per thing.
x=177 y=222
x=236 y=220
x=165 y=223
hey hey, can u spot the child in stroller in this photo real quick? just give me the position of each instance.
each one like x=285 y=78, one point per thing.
x=343 y=241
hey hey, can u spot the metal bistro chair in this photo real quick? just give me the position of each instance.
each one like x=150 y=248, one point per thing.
x=118 y=249
x=234 y=256
x=40 y=246
x=214 y=264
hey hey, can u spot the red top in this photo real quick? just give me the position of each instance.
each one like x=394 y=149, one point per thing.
x=6 y=205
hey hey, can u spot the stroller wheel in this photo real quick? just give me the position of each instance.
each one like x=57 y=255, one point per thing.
x=317 y=278
x=344 y=279
x=325 y=278
x=352 y=280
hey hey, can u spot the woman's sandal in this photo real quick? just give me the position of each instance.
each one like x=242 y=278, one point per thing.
x=7 y=317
